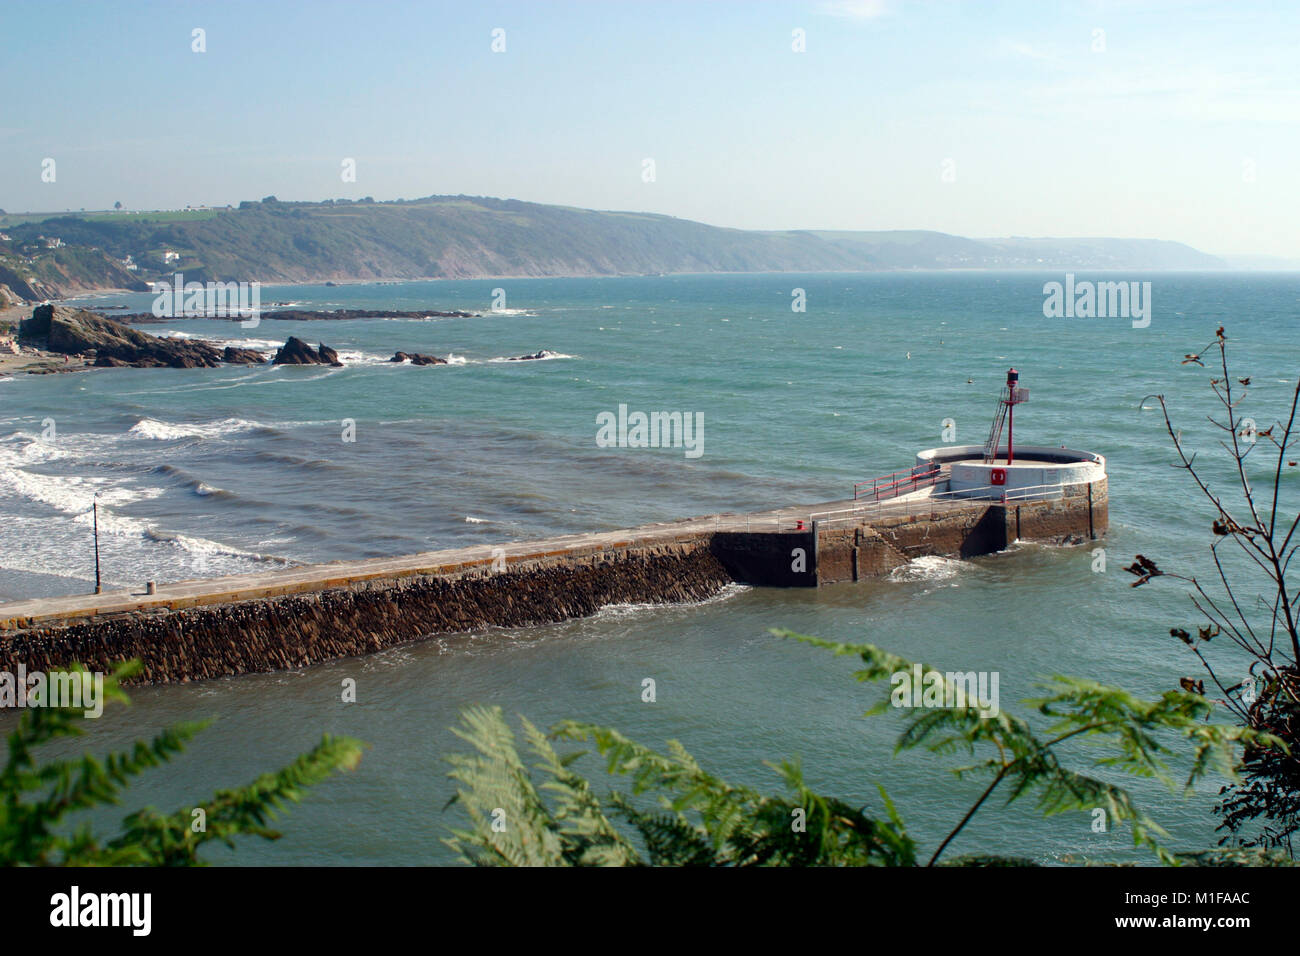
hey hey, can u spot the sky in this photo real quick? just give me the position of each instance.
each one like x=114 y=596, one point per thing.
x=1166 y=120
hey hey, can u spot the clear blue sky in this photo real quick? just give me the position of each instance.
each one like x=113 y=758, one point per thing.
x=1186 y=127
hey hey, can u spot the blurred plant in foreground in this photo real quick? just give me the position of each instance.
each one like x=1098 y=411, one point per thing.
x=701 y=820
x=36 y=799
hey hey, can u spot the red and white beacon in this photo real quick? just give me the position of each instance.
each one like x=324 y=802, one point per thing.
x=1012 y=395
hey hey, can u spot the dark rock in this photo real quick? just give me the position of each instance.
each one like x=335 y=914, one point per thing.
x=327 y=354
x=234 y=356
x=297 y=352
x=415 y=358
x=67 y=331
x=544 y=353
x=107 y=361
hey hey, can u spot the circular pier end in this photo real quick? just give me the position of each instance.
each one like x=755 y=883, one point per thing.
x=1037 y=469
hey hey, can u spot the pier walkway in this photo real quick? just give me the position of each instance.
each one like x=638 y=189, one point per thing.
x=298 y=616
x=314 y=577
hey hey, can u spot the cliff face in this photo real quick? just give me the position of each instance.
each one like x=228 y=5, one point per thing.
x=64 y=272
x=8 y=297
x=25 y=288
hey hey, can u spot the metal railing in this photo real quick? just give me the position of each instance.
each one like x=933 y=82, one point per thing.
x=1001 y=494
x=867 y=509
x=886 y=484
x=932 y=504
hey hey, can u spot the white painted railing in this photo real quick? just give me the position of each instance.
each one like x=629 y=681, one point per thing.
x=926 y=504
x=931 y=504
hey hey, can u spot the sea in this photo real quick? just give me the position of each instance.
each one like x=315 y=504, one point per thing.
x=805 y=384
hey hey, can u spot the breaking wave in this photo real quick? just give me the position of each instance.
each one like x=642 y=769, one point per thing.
x=929 y=568
x=545 y=355
x=157 y=430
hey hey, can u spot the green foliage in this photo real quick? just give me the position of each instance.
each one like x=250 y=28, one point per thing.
x=496 y=787
x=1131 y=734
x=36 y=799
x=703 y=820
x=698 y=819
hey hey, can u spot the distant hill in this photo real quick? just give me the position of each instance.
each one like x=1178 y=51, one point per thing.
x=466 y=237
x=936 y=250
x=1263 y=263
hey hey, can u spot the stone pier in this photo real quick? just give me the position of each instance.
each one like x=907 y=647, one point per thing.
x=204 y=629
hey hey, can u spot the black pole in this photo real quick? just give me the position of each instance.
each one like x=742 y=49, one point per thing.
x=95 y=510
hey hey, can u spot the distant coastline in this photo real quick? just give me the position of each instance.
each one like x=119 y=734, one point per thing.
x=348 y=242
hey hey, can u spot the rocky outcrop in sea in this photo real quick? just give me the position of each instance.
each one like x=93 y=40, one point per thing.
x=312 y=315
x=415 y=358
x=297 y=352
x=110 y=343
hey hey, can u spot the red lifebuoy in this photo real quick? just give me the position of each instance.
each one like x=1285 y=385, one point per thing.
x=998 y=476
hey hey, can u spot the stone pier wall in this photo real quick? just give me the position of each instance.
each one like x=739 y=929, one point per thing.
x=853 y=552
x=221 y=640
x=203 y=640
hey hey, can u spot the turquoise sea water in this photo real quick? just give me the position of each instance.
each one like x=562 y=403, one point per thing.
x=204 y=472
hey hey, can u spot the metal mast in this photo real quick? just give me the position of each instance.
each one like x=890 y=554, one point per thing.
x=1011 y=396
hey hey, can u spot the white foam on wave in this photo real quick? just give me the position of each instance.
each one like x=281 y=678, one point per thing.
x=156 y=430
x=451 y=359
x=249 y=379
x=45 y=551
x=66 y=493
x=261 y=345
x=69 y=494
x=128 y=546
x=57 y=544
x=470 y=519
x=625 y=610
x=357 y=357
x=929 y=568
x=24 y=447
x=208 y=548
x=34 y=540
x=72 y=497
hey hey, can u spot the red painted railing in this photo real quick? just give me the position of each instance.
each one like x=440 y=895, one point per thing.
x=892 y=485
